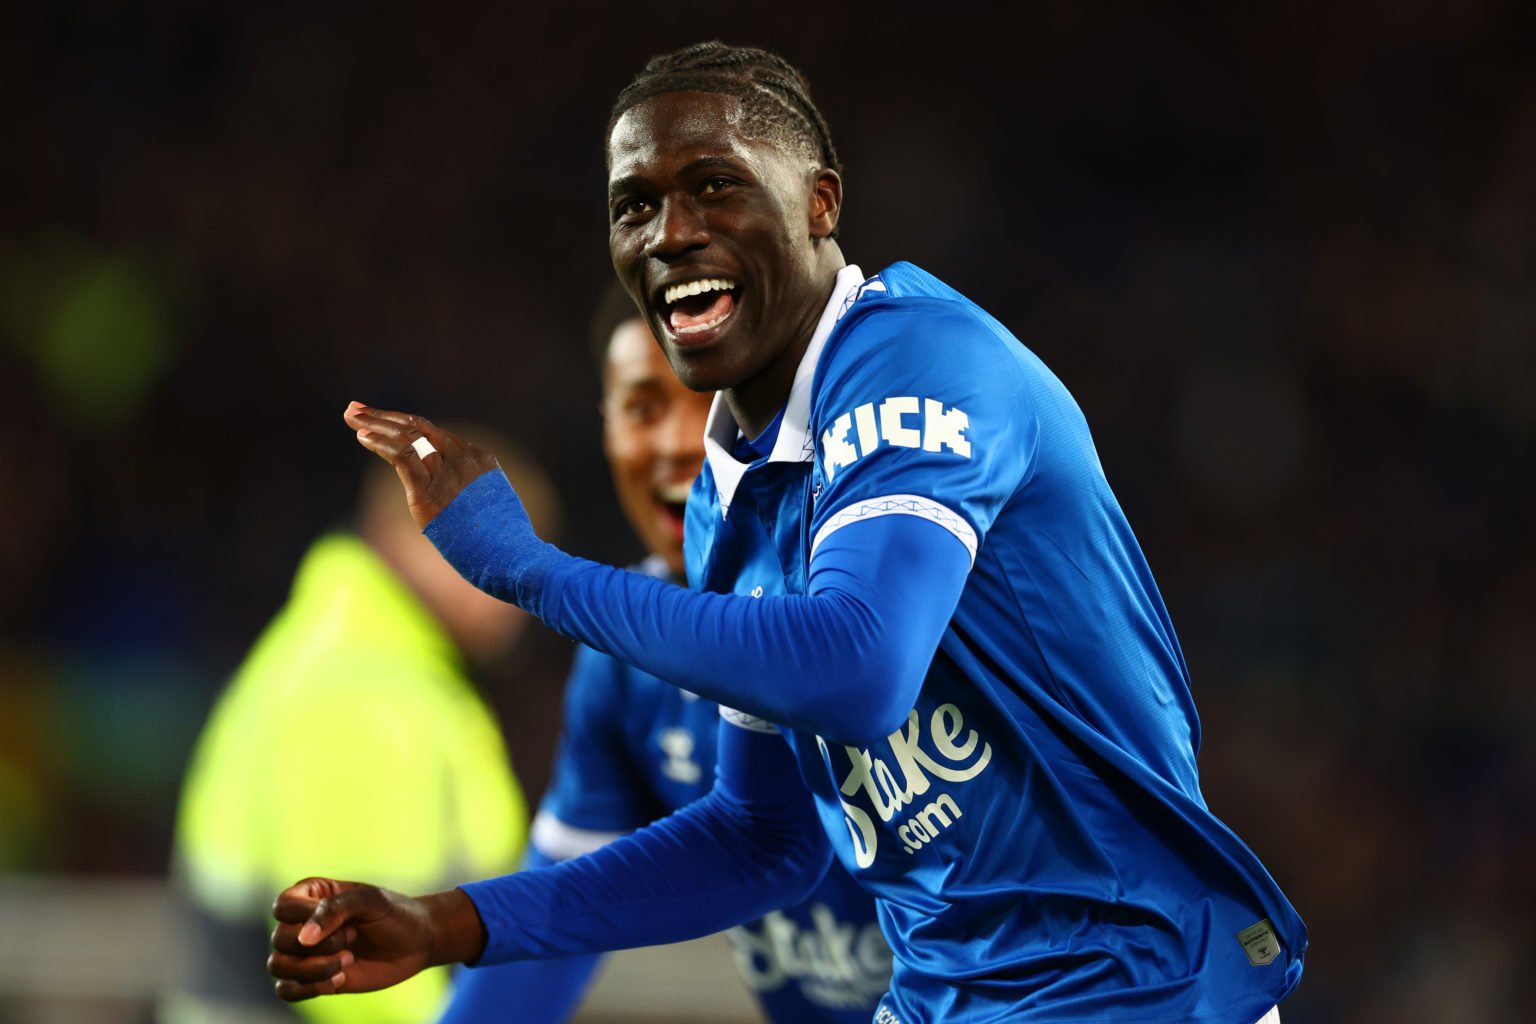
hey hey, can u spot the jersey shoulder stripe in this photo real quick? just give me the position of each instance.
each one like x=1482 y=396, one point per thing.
x=900 y=505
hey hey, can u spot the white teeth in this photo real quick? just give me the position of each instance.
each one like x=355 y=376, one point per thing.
x=696 y=328
x=675 y=493
x=709 y=284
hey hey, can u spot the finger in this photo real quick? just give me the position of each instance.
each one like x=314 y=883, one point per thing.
x=298 y=991
x=292 y=910
x=359 y=415
x=285 y=939
x=367 y=414
x=369 y=425
x=404 y=446
x=389 y=423
x=308 y=969
x=295 y=903
x=394 y=448
x=334 y=911
x=403 y=425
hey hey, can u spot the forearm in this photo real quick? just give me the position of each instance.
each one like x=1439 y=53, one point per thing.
x=844 y=661
x=821 y=662
x=752 y=845
x=544 y=991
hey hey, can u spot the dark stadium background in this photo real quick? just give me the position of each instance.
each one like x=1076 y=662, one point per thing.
x=1284 y=256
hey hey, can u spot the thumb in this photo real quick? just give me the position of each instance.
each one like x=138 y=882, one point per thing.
x=359 y=905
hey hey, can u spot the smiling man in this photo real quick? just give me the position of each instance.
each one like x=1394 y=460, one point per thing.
x=733 y=295
x=947 y=658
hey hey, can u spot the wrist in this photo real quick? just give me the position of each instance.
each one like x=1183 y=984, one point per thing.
x=486 y=535
x=458 y=933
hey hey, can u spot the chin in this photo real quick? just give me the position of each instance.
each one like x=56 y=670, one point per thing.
x=705 y=371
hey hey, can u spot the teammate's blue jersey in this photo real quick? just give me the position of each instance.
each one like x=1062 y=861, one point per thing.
x=634 y=749
x=1035 y=833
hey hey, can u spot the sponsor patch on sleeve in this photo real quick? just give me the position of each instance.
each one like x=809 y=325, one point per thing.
x=906 y=421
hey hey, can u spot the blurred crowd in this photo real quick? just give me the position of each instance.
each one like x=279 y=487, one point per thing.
x=1286 y=261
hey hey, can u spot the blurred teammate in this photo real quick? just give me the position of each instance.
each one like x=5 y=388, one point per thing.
x=947 y=656
x=373 y=635
x=635 y=748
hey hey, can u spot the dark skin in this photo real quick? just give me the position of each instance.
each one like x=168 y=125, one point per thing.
x=691 y=196
x=431 y=483
x=334 y=936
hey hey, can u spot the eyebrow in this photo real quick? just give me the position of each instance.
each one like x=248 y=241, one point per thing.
x=647 y=378
x=630 y=182
x=621 y=388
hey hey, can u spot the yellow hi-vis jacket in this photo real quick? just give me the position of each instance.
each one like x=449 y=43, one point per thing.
x=350 y=744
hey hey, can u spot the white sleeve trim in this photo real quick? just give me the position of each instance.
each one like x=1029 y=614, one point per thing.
x=749 y=722
x=900 y=505
x=559 y=841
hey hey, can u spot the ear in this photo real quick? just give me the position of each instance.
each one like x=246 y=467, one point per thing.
x=826 y=202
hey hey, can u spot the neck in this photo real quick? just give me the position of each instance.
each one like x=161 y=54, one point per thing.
x=755 y=402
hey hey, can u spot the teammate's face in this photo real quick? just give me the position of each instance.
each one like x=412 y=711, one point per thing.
x=693 y=201
x=653 y=433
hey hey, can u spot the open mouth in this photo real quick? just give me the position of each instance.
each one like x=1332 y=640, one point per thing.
x=696 y=307
x=672 y=500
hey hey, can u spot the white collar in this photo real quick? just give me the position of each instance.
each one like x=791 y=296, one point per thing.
x=794 y=443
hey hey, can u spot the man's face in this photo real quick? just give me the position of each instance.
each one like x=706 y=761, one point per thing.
x=695 y=205
x=653 y=434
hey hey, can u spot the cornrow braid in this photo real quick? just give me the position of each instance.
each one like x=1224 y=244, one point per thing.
x=775 y=97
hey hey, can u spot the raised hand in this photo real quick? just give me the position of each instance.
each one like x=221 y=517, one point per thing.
x=334 y=936
x=433 y=464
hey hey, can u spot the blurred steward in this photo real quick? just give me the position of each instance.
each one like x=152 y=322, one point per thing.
x=364 y=665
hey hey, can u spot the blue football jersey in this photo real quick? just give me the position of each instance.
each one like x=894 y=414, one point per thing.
x=634 y=749
x=1035 y=832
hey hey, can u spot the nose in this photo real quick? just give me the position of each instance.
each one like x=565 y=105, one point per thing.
x=679 y=437
x=677 y=228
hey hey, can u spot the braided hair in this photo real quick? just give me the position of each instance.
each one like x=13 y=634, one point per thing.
x=775 y=97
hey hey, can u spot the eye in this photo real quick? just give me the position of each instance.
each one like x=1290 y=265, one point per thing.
x=717 y=184
x=643 y=409
x=629 y=209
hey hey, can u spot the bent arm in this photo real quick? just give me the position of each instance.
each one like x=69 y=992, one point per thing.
x=844 y=660
x=752 y=845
